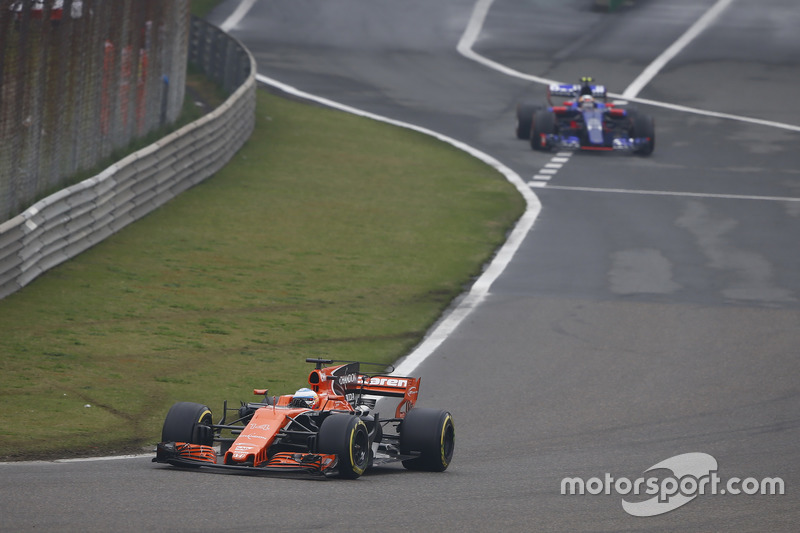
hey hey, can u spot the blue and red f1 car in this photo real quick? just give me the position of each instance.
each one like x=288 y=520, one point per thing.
x=585 y=121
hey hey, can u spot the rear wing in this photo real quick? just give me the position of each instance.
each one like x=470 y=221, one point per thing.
x=570 y=90
x=348 y=381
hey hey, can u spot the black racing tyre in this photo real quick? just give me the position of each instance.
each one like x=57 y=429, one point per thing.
x=525 y=111
x=348 y=438
x=644 y=126
x=431 y=433
x=544 y=123
x=188 y=422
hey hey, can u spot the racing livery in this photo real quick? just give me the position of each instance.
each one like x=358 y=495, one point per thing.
x=585 y=121
x=329 y=428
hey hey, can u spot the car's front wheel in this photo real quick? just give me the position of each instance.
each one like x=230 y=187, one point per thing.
x=544 y=124
x=188 y=422
x=644 y=128
x=525 y=111
x=347 y=437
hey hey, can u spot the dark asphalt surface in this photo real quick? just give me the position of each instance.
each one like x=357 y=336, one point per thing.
x=653 y=309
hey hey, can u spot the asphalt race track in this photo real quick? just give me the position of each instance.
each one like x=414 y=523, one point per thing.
x=652 y=310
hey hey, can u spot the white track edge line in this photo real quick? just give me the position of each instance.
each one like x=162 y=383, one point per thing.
x=675 y=48
x=684 y=194
x=480 y=288
x=80 y=459
x=238 y=14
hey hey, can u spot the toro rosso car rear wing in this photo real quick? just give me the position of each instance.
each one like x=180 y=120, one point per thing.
x=569 y=90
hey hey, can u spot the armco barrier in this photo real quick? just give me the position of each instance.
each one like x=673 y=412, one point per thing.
x=68 y=222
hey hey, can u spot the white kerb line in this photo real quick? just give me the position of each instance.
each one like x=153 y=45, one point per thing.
x=683 y=41
x=238 y=14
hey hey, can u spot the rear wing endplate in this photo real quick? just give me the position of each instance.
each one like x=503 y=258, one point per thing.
x=403 y=387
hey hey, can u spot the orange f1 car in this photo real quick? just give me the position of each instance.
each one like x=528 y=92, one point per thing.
x=330 y=428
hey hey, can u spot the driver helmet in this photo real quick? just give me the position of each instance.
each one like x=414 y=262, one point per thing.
x=586 y=101
x=305 y=397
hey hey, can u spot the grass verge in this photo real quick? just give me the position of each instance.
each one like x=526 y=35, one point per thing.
x=327 y=235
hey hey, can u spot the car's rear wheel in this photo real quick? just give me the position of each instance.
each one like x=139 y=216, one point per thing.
x=188 y=422
x=544 y=124
x=525 y=111
x=347 y=437
x=431 y=433
x=644 y=128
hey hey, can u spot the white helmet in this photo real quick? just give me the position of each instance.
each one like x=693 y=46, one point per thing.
x=305 y=397
x=586 y=101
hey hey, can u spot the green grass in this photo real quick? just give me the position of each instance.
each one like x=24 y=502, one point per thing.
x=327 y=235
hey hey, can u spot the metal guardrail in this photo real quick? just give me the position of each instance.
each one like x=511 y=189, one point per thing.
x=72 y=220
